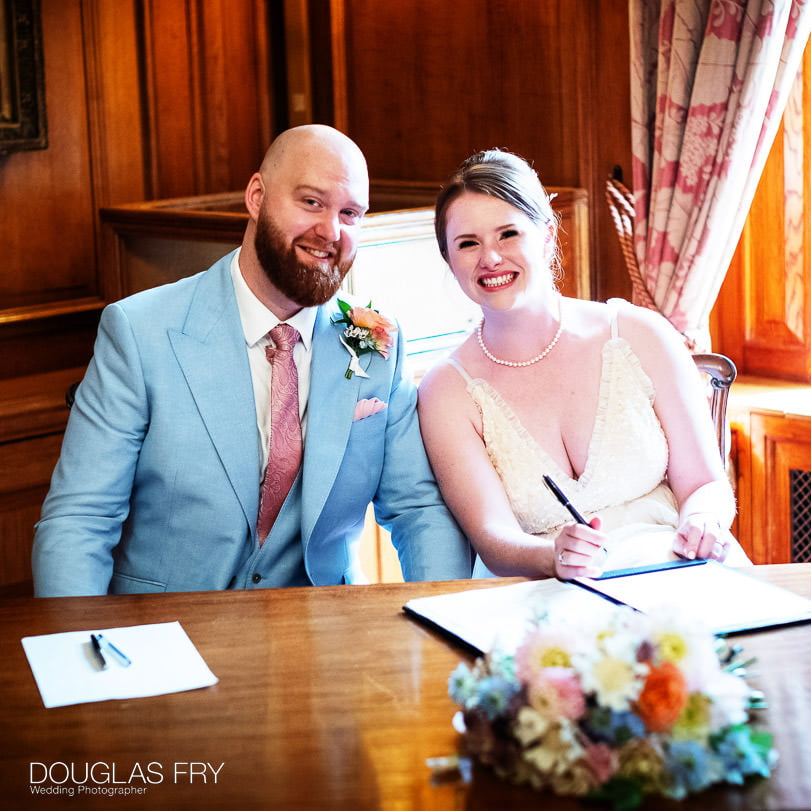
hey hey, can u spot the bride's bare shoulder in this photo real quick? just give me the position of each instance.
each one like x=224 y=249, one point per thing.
x=586 y=319
x=446 y=377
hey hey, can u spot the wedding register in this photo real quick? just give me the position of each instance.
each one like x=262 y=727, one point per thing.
x=721 y=598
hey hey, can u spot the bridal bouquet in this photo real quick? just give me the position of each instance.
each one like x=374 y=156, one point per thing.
x=641 y=704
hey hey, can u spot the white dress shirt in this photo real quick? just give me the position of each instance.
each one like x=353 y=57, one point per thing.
x=257 y=321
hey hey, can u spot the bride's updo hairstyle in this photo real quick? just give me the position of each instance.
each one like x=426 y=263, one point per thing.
x=500 y=174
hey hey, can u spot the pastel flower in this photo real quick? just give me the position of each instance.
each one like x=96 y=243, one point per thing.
x=557 y=749
x=366 y=317
x=529 y=726
x=576 y=780
x=663 y=697
x=691 y=768
x=380 y=330
x=729 y=695
x=365 y=331
x=612 y=726
x=686 y=645
x=462 y=684
x=603 y=762
x=555 y=692
x=615 y=681
x=493 y=695
x=694 y=721
x=497 y=663
x=641 y=760
x=541 y=649
x=741 y=755
x=672 y=647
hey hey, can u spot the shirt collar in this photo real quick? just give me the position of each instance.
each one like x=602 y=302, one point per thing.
x=258 y=320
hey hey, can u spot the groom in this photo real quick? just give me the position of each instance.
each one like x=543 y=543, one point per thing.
x=216 y=441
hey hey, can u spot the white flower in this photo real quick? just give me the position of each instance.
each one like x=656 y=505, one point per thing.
x=687 y=644
x=728 y=694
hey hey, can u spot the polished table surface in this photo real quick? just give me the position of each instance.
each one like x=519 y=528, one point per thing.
x=328 y=698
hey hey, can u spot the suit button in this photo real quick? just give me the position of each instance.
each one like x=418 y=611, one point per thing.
x=257 y=578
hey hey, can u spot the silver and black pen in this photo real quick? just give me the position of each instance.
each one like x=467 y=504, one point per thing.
x=561 y=497
x=101 y=644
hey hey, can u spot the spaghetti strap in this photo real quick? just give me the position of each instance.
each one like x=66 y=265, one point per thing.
x=456 y=365
x=613 y=304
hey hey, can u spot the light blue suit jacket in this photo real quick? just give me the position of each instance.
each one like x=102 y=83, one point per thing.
x=157 y=488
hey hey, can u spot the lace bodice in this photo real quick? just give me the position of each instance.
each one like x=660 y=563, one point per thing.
x=627 y=454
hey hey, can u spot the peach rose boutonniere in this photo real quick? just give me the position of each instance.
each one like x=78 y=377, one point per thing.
x=366 y=331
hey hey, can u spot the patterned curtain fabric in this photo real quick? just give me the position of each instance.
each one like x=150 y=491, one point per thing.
x=709 y=81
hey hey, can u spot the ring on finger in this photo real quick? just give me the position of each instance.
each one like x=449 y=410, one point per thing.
x=560 y=558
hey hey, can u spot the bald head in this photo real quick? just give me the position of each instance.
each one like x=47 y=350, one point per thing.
x=317 y=145
x=306 y=204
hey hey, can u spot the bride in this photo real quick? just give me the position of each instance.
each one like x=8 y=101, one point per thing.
x=602 y=397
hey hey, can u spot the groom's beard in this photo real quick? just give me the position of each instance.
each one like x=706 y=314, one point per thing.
x=306 y=283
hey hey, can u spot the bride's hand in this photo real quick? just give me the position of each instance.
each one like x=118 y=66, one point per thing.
x=701 y=536
x=580 y=550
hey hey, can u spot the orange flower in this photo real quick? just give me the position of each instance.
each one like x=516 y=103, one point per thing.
x=366 y=317
x=663 y=697
x=381 y=330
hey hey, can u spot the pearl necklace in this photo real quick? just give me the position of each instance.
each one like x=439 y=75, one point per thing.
x=517 y=363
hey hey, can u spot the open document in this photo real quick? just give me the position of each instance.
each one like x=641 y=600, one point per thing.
x=130 y=662
x=724 y=599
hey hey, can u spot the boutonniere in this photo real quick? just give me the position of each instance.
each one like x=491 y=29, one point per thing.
x=366 y=331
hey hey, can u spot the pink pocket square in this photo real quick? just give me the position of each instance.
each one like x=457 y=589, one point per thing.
x=365 y=408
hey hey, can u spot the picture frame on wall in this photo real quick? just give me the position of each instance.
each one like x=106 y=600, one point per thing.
x=23 y=122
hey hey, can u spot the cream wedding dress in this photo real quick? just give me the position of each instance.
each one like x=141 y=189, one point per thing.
x=624 y=480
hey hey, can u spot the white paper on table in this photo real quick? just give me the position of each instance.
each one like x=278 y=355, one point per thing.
x=723 y=599
x=164 y=660
x=500 y=616
x=726 y=599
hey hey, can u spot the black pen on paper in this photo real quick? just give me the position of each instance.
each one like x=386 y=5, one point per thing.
x=97 y=651
x=101 y=643
x=561 y=497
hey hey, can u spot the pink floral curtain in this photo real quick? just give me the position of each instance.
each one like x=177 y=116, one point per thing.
x=710 y=79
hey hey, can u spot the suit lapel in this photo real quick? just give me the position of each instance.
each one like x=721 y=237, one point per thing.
x=331 y=408
x=212 y=355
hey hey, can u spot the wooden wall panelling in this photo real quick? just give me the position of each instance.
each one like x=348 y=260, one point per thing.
x=421 y=86
x=428 y=86
x=26 y=473
x=740 y=471
x=116 y=137
x=763 y=315
x=50 y=286
x=338 y=66
x=33 y=415
x=297 y=48
x=604 y=94
x=127 y=83
x=779 y=445
x=238 y=122
x=118 y=146
x=207 y=83
x=47 y=195
x=172 y=93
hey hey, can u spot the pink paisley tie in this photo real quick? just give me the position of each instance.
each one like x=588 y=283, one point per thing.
x=284 y=458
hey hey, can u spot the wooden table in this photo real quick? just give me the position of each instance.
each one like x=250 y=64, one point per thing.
x=328 y=698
